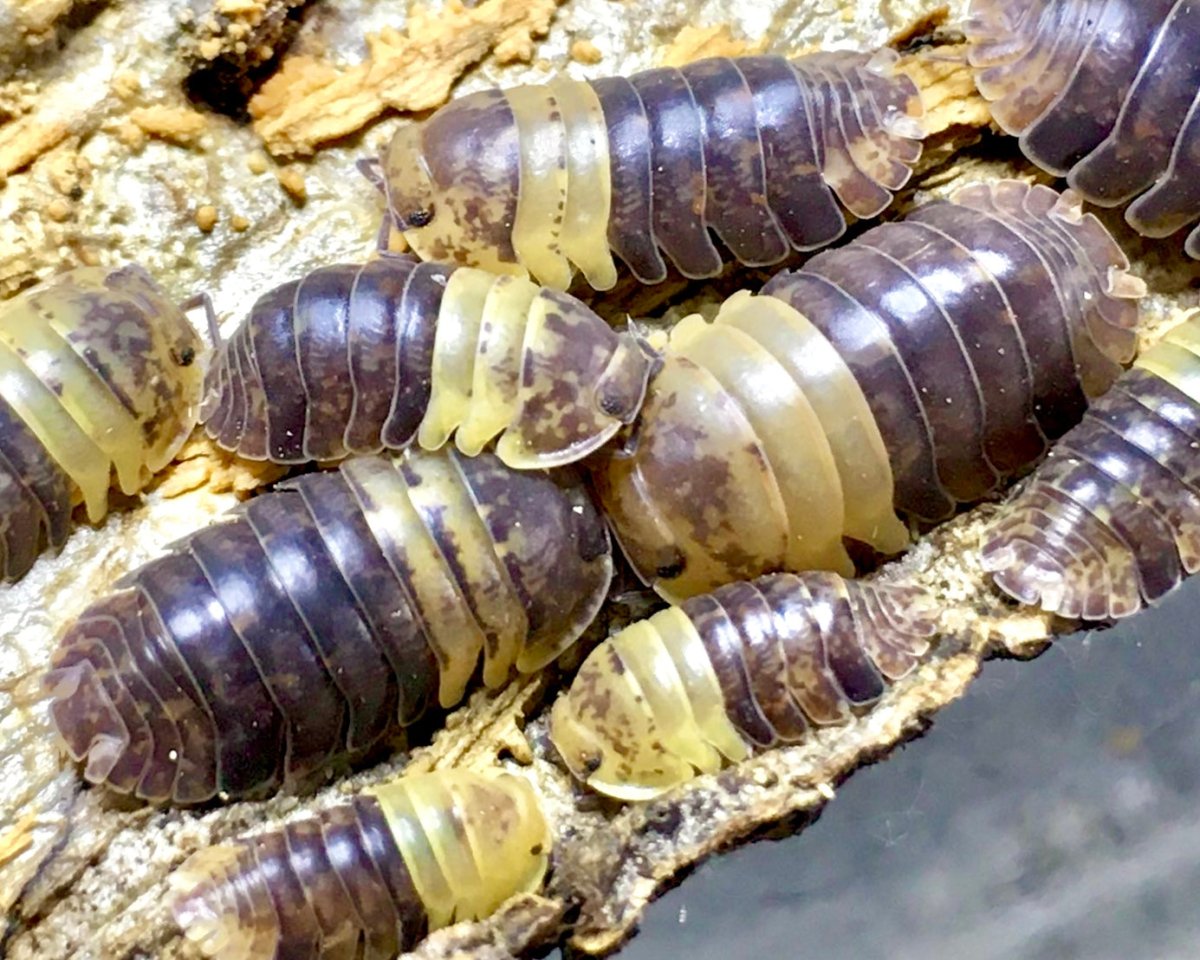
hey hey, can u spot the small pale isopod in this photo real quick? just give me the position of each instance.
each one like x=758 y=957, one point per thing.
x=745 y=157
x=368 y=879
x=358 y=358
x=1103 y=92
x=267 y=649
x=724 y=675
x=99 y=371
x=1111 y=521
x=917 y=368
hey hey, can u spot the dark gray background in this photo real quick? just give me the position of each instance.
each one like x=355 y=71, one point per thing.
x=1052 y=813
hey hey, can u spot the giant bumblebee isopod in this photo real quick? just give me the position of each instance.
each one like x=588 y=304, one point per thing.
x=746 y=157
x=269 y=648
x=368 y=879
x=99 y=371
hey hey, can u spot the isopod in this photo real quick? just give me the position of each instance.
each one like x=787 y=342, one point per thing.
x=1111 y=521
x=725 y=675
x=746 y=157
x=366 y=880
x=98 y=371
x=267 y=649
x=917 y=368
x=358 y=358
x=1103 y=92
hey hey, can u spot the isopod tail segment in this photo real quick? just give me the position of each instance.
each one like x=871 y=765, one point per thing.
x=917 y=368
x=751 y=157
x=272 y=648
x=1104 y=94
x=368 y=879
x=100 y=373
x=1111 y=521
x=728 y=674
x=353 y=359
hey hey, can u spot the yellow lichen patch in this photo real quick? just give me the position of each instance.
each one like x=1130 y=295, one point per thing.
x=696 y=43
x=175 y=124
x=201 y=463
x=310 y=102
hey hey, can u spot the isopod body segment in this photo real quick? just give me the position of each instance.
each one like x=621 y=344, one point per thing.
x=354 y=359
x=724 y=675
x=1111 y=521
x=366 y=880
x=746 y=157
x=99 y=372
x=269 y=648
x=1103 y=92
x=918 y=367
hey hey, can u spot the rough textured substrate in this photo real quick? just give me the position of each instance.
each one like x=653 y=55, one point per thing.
x=105 y=159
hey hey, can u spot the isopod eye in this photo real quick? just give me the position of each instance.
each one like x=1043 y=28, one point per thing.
x=415 y=219
x=591 y=762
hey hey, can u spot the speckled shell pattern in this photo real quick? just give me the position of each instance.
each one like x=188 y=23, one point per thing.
x=724 y=675
x=353 y=359
x=99 y=371
x=749 y=158
x=917 y=368
x=368 y=879
x=265 y=650
x=1111 y=521
x=1103 y=92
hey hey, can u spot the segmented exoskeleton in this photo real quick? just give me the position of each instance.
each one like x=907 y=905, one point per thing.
x=266 y=649
x=368 y=879
x=755 y=152
x=1111 y=521
x=1103 y=92
x=724 y=675
x=98 y=371
x=915 y=369
x=357 y=358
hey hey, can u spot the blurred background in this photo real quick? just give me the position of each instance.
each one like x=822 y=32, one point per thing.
x=1052 y=814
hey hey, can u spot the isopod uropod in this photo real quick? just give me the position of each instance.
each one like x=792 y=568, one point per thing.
x=268 y=648
x=99 y=371
x=1111 y=521
x=358 y=358
x=746 y=156
x=749 y=666
x=366 y=880
x=1103 y=92
x=917 y=368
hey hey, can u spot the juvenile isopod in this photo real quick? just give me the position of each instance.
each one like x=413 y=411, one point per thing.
x=359 y=358
x=725 y=675
x=917 y=368
x=1111 y=521
x=368 y=879
x=269 y=648
x=99 y=371
x=745 y=157
x=1103 y=92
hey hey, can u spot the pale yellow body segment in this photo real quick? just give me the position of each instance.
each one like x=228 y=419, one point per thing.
x=1176 y=358
x=469 y=841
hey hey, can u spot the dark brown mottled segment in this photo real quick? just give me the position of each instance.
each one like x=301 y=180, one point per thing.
x=863 y=341
x=798 y=195
x=1102 y=92
x=309 y=860
x=377 y=917
x=273 y=341
x=844 y=648
x=1111 y=521
x=678 y=172
x=1036 y=305
x=321 y=318
x=723 y=643
x=265 y=649
x=631 y=221
x=763 y=657
x=374 y=307
x=736 y=208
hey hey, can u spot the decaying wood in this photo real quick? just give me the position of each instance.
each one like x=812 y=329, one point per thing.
x=83 y=874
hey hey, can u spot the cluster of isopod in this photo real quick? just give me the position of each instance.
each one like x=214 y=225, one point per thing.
x=872 y=392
